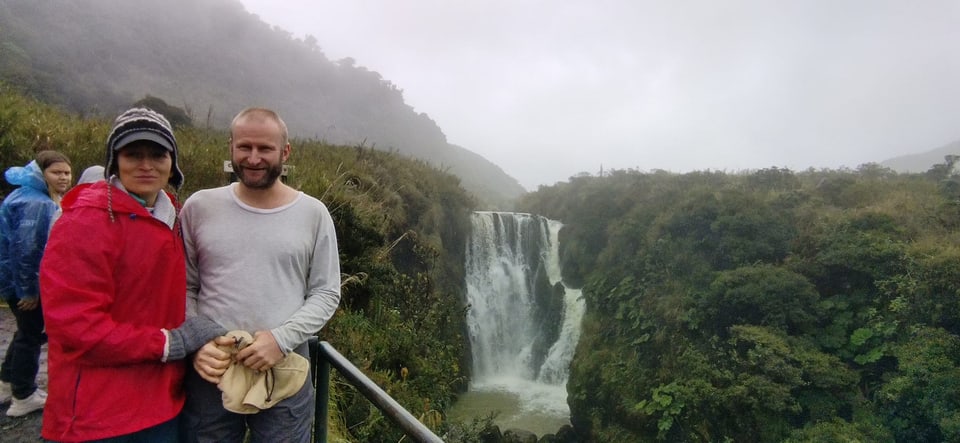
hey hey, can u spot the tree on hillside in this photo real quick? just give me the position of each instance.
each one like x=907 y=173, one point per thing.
x=942 y=171
x=178 y=117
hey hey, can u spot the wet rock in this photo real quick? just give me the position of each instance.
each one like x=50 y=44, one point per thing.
x=519 y=436
x=566 y=434
x=491 y=434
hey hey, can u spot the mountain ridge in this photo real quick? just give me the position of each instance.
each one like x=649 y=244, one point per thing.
x=921 y=162
x=213 y=58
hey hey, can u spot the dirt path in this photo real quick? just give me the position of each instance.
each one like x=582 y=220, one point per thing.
x=27 y=428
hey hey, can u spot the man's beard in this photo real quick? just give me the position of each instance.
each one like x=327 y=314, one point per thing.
x=273 y=172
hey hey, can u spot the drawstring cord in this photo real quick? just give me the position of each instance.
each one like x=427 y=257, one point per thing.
x=269 y=382
x=110 y=201
x=269 y=378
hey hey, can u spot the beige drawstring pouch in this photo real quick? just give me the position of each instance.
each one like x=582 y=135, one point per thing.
x=246 y=391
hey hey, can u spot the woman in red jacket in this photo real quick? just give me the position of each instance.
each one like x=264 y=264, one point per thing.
x=114 y=287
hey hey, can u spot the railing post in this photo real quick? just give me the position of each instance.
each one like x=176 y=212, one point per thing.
x=323 y=397
x=320 y=371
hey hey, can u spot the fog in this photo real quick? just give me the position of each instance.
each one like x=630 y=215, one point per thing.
x=549 y=89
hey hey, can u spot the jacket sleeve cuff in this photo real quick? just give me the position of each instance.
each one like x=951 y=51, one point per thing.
x=166 y=345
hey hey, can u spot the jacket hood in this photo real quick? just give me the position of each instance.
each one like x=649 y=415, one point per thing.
x=110 y=197
x=30 y=176
x=97 y=195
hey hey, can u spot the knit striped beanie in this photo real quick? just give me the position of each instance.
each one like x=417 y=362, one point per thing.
x=142 y=124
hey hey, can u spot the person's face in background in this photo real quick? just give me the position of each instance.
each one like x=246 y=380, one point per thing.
x=144 y=169
x=58 y=177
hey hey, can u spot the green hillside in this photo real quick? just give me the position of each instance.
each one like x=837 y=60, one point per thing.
x=770 y=306
x=212 y=58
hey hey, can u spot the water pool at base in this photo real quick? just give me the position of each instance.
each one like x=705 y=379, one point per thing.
x=538 y=408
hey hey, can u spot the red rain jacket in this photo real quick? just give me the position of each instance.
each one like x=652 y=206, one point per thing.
x=108 y=287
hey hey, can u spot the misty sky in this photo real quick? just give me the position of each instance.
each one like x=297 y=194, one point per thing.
x=548 y=89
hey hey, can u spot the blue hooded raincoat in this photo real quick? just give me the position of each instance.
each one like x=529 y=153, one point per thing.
x=25 y=218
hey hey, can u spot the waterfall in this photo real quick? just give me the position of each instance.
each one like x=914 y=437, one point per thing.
x=523 y=322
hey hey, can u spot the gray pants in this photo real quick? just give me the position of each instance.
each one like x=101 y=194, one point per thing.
x=205 y=420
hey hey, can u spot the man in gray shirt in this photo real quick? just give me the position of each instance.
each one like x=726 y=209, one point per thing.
x=261 y=257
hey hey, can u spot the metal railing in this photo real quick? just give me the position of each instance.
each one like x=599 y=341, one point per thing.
x=322 y=356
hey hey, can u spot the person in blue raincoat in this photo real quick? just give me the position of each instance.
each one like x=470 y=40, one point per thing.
x=25 y=218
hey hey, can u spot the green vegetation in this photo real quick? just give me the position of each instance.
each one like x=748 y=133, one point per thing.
x=764 y=306
x=402 y=227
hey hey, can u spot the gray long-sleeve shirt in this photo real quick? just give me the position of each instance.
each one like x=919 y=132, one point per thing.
x=255 y=269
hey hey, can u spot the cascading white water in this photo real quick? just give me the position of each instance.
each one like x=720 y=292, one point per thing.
x=523 y=323
x=556 y=367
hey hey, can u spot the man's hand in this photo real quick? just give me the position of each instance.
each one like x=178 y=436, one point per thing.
x=262 y=354
x=210 y=362
x=28 y=304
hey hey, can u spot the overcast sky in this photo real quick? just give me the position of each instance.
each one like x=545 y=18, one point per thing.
x=548 y=89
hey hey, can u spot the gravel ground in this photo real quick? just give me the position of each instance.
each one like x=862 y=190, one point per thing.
x=27 y=428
